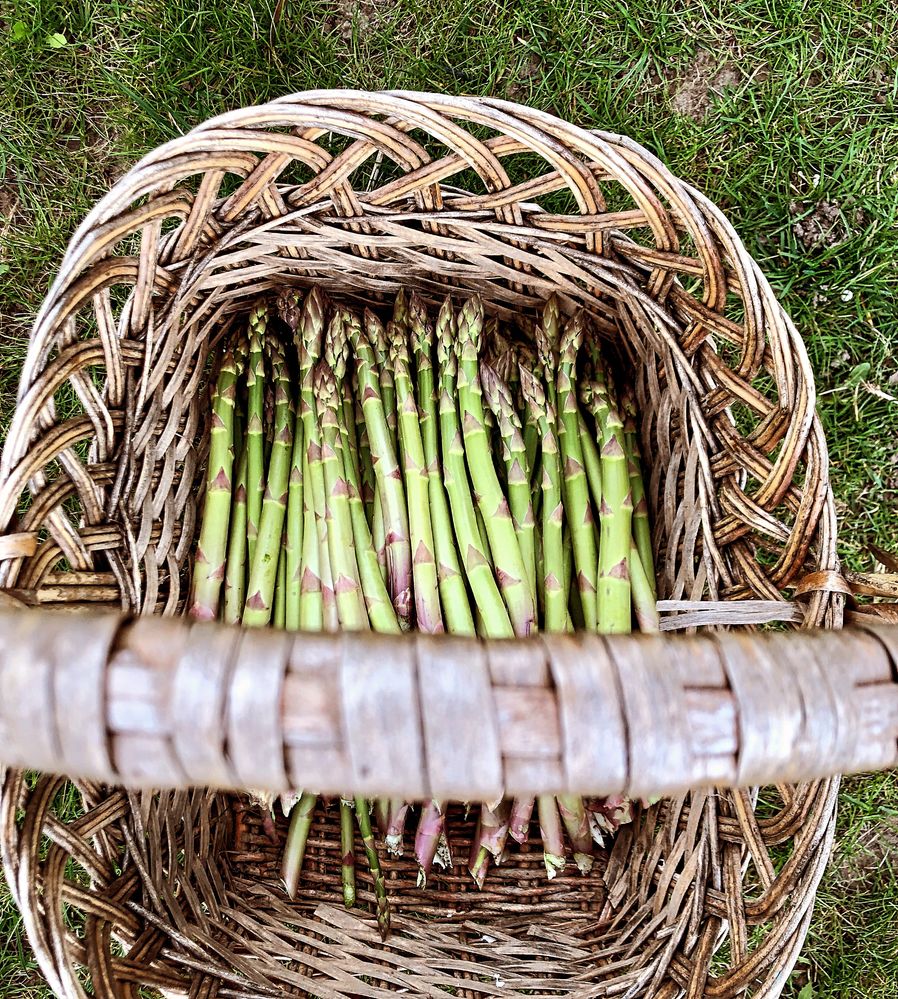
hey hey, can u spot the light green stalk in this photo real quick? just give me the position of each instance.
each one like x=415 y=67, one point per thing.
x=592 y=460
x=576 y=490
x=525 y=357
x=388 y=476
x=568 y=563
x=379 y=340
x=209 y=566
x=255 y=411
x=401 y=309
x=380 y=889
x=294 y=531
x=351 y=610
x=310 y=336
x=555 y=573
x=328 y=596
x=347 y=852
x=546 y=335
x=366 y=468
x=263 y=571
x=279 y=617
x=478 y=571
x=311 y=607
x=307 y=611
x=297 y=836
x=615 y=515
x=428 y=614
x=379 y=534
x=508 y=561
x=573 y=812
x=453 y=592
x=642 y=533
x=500 y=401
x=235 y=566
x=644 y=605
x=381 y=615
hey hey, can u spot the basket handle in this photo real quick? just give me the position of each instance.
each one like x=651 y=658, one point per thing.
x=167 y=702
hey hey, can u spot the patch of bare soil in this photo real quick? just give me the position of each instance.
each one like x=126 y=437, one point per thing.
x=822 y=224
x=876 y=851
x=360 y=17
x=7 y=202
x=704 y=77
x=531 y=67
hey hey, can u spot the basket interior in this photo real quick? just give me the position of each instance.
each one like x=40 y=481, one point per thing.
x=104 y=462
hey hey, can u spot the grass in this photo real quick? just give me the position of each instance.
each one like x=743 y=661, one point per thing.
x=782 y=112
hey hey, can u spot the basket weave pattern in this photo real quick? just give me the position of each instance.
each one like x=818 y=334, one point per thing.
x=104 y=459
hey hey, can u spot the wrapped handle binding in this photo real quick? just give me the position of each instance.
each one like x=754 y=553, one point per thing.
x=167 y=702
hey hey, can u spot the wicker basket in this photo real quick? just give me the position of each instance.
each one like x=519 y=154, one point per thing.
x=363 y=192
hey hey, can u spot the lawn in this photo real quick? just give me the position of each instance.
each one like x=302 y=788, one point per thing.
x=784 y=113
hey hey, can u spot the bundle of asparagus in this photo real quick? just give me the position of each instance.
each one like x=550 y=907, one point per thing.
x=443 y=473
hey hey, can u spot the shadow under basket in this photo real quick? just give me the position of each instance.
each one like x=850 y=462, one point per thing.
x=709 y=894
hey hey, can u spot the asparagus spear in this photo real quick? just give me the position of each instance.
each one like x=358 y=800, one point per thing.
x=379 y=534
x=479 y=858
x=430 y=833
x=263 y=571
x=644 y=604
x=351 y=610
x=381 y=614
x=554 y=575
x=576 y=822
x=289 y=302
x=508 y=562
x=552 y=836
x=424 y=571
x=380 y=889
x=525 y=357
x=279 y=614
x=453 y=593
x=310 y=336
x=428 y=614
x=209 y=565
x=379 y=340
x=235 y=565
x=576 y=492
x=641 y=531
x=398 y=813
x=546 y=335
x=591 y=459
x=255 y=443
x=485 y=591
x=501 y=403
x=328 y=596
x=311 y=605
x=615 y=514
x=429 y=836
x=387 y=474
x=289 y=307
x=555 y=620
x=347 y=852
x=297 y=837
x=366 y=468
x=294 y=531
x=494 y=824
x=519 y=820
